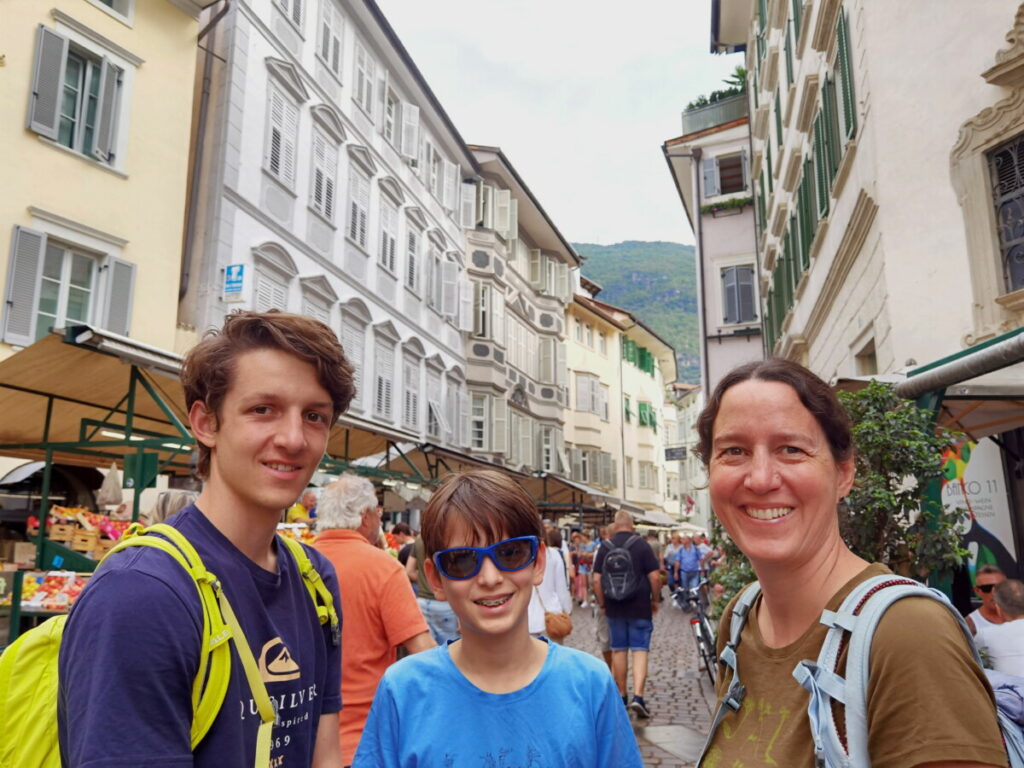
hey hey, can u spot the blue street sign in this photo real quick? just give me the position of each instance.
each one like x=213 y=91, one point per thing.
x=234 y=278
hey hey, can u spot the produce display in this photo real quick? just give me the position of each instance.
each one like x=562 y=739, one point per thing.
x=51 y=591
x=6 y=587
x=80 y=529
x=298 y=531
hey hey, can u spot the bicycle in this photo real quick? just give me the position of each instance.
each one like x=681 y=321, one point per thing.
x=703 y=631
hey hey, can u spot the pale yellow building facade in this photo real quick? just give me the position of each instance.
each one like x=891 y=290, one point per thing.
x=97 y=102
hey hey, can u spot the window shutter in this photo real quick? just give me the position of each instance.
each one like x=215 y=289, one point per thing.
x=410 y=130
x=449 y=288
x=117 y=316
x=499 y=443
x=536 y=267
x=577 y=464
x=448 y=194
x=411 y=397
x=582 y=392
x=745 y=294
x=547 y=360
x=798 y=12
x=498 y=316
x=562 y=290
x=106 y=114
x=290 y=124
x=47 y=84
x=352 y=342
x=788 y=50
x=745 y=162
x=710 y=176
x=849 y=110
x=561 y=370
x=487 y=206
x=820 y=161
x=729 y=296
x=513 y=219
x=465 y=305
x=384 y=364
x=23 y=273
x=467 y=217
x=502 y=198
x=412 y=246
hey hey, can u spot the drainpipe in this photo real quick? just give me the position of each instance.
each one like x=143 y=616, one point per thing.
x=706 y=377
x=197 y=160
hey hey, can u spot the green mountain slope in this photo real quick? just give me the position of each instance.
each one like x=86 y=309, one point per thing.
x=657 y=281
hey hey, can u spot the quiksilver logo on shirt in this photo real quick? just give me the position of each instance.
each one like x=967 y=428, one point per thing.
x=276 y=662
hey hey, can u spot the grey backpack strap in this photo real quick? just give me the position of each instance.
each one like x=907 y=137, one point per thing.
x=858 y=615
x=735 y=693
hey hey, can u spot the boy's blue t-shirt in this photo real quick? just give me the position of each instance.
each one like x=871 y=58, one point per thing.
x=426 y=713
x=130 y=653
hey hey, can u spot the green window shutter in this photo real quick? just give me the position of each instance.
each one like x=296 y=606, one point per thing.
x=762 y=14
x=768 y=158
x=820 y=165
x=778 y=119
x=846 y=76
x=798 y=13
x=831 y=120
x=625 y=409
x=754 y=87
x=788 y=48
x=807 y=216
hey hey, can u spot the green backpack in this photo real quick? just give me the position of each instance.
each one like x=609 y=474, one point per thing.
x=28 y=668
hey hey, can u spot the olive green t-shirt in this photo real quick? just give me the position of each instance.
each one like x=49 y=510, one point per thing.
x=927 y=699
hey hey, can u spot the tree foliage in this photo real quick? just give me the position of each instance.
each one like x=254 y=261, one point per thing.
x=889 y=516
x=736 y=83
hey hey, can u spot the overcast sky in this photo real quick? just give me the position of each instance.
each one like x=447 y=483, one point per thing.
x=580 y=96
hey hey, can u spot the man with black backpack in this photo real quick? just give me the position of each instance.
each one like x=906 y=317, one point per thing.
x=626 y=583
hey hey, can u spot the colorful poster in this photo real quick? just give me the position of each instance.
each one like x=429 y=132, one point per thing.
x=976 y=481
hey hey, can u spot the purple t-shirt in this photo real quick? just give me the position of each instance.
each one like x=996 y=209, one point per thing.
x=130 y=653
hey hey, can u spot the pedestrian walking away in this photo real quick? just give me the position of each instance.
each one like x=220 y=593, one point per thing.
x=626 y=583
x=262 y=395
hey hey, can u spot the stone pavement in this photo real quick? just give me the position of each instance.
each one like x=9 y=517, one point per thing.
x=679 y=696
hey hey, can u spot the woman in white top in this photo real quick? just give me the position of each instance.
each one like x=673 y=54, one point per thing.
x=553 y=593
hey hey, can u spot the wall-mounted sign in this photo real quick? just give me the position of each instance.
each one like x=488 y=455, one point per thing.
x=234 y=279
x=676 y=454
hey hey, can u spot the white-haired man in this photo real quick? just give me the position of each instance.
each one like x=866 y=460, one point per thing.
x=379 y=608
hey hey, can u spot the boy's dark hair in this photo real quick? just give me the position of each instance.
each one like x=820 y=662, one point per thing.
x=490 y=504
x=208 y=369
x=402 y=529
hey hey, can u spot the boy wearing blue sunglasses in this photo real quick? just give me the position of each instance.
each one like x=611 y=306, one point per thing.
x=495 y=695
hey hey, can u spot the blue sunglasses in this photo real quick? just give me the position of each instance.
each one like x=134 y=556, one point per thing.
x=460 y=563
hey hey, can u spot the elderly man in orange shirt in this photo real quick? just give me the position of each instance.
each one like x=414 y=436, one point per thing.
x=379 y=610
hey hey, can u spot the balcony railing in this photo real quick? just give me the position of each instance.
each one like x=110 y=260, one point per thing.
x=719 y=113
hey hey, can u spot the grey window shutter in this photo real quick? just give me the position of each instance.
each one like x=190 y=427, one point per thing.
x=117 y=316
x=745 y=286
x=746 y=169
x=110 y=78
x=47 y=83
x=27 y=250
x=729 y=295
x=710 y=177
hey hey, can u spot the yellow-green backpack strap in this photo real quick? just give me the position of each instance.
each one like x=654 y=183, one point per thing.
x=214 y=672
x=321 y=596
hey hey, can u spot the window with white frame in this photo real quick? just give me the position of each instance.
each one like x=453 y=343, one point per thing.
x=269 y=291
x=364 y=79
x=437 y=420
x=54 y=283
x=452 y=398
x=602 y=343
x=648 y=475
x=629 y=471
x=578 y=330
x=121 y=8
x=388 y=234
x=591 y=395
x=726 y=174
x=292 y=9
x=588 y=335
x=359 y=205
x=738 y=301
x=392 y=123
x=478 y=422
x=411 y=392
x=383 y=378
x=521 y=449
x=325 y=166
x=413 y=237
x=282 y=131
x=434 y=278
x=315 y=307
x=488 y=312
x=353 y=339
x=77 y=96
x=331 y=35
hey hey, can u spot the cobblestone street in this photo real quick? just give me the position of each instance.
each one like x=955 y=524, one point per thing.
x=679 y=696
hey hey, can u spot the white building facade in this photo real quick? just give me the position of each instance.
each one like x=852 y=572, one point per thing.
x=330 y=183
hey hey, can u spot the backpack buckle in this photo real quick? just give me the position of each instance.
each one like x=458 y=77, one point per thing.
x=734 y=696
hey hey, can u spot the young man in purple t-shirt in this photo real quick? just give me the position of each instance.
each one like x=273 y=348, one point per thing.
x=262 y=395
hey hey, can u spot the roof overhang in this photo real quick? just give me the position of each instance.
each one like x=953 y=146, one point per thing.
x=730 y=20
x=532 y=216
